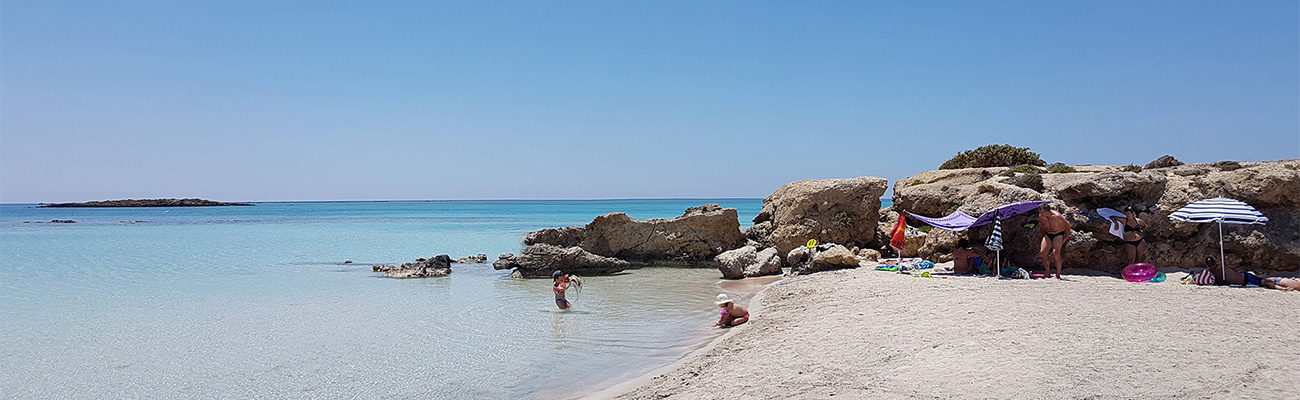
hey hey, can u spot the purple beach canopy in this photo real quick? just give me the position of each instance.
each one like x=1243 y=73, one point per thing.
x=960 y=221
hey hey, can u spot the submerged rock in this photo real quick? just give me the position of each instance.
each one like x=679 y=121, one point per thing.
x=421 y=268
x=474 y=259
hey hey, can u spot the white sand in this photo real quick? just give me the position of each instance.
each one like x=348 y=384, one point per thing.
x=870 y=334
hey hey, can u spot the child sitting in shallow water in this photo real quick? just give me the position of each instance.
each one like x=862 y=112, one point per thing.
x=731 y=314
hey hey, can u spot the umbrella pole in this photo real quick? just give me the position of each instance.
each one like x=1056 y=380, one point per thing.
x=1223 y=264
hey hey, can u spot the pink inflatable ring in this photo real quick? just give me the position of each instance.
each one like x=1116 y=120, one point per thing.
x=1140 y=272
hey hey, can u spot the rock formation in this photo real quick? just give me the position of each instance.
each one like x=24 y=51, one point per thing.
x=539 y=260
x=843 y=211
x=474 y=259
x=615 y=241
x=421 y=268
x=1272 y=187
x=1164 y=161
x=748 y=262
x=146 y=203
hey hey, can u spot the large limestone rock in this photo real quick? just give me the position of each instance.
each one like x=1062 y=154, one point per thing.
x=615 y=241
x=843 y=211
x=421 y=268
x=539 y=260
x=697 y=236
x=1273 y=187
x=748 y=262
x=838 y=257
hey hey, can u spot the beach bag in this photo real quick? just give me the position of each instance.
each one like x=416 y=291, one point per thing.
x=1203 y=278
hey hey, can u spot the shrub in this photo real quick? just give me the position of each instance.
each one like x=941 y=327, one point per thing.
x=917 y=182
x=944 y=188
x=844 y=218
x=925 y=229
x=1026 y=169
x=993 y=155
x=1290 y=166
x=1131 y=168
x=1057 y=168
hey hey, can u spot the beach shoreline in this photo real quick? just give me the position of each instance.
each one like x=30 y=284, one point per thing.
x=755 y=307
x=860 y=333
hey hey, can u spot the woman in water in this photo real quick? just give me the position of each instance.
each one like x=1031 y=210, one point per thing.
x=562 y=282
x=731 y=314
x=1134 y=239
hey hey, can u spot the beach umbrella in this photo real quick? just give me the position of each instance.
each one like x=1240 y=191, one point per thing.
x=1219 y=209
x=995 y=241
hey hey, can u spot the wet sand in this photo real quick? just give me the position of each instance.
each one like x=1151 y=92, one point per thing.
x=869 y=334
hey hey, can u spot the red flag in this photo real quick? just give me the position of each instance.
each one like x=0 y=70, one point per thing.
x=899 y=233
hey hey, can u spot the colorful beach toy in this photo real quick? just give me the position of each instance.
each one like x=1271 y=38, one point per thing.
x=1139 y=272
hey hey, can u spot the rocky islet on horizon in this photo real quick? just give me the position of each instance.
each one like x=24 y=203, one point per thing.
x=146 y=203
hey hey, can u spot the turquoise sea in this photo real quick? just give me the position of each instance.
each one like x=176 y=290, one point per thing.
x=255 y=302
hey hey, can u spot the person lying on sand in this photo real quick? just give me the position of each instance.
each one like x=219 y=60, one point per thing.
x=1230 y=276
x=1056 y=230
x=966 y=259
x=731 y=314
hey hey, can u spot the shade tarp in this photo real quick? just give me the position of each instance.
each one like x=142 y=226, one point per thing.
x=960 y=221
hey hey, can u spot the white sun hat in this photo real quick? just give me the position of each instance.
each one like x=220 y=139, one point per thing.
x=722 y=299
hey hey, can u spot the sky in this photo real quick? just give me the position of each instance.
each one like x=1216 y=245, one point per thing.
x=393 y=100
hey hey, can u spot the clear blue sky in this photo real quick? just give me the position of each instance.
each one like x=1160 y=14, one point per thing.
x=313 y=100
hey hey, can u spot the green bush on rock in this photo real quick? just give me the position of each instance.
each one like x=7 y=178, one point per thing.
x=993 y=155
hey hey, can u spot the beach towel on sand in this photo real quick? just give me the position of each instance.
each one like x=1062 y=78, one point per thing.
x=904 y=265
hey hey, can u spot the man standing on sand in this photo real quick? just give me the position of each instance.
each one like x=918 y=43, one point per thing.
x=1056 y=230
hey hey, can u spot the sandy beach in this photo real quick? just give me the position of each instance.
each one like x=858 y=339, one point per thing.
x=862 y=333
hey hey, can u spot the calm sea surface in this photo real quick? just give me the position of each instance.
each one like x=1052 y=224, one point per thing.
x=247 y=302
x=255 y=302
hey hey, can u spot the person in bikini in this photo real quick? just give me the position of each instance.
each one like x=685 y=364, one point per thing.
x=1134 y=239
x=1230 y=276
x=1056 y=230
x=731 y=314
x=562 y=282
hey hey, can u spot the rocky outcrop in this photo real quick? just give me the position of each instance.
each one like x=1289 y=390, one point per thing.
x=696 y=237
x=1272 y=187
x=539 y=260
x=474 y=259
x=1164 y=161
x=748 y=262
x=615 y=241
x=146 y=203
x=843 y=211
x=421 y=268
x=568 y=236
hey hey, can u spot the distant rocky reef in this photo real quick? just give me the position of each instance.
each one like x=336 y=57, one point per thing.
x=147 y=203
x=421 y=268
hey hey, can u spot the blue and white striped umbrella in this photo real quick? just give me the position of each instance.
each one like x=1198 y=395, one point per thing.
x=995 y=240
x=1219 y=209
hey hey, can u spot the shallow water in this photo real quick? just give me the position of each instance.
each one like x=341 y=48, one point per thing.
x=255 y=302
